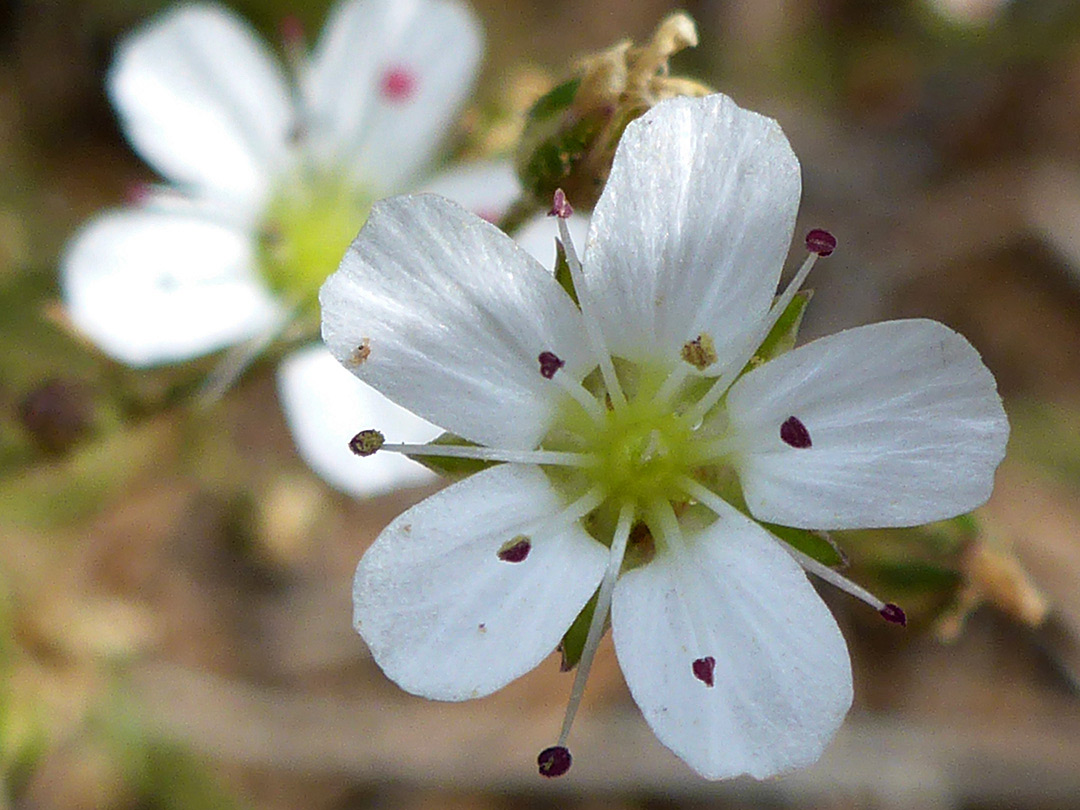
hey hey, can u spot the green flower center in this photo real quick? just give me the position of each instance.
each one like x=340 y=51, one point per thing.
x=304 y=233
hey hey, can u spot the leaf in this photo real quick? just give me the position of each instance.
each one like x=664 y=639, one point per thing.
x=559 y=98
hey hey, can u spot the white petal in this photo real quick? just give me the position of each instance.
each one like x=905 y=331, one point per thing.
x=692 y=228
x=152 y=287
x=538 y=236
x=202 y=100
x=487 y=189
x=782 y=678
x=326 y=406
x=456 y=316
x=445 y=617
x=905 y=423
x=384 y=82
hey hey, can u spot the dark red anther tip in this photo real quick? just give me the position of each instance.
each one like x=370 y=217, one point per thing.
x=820 y=242
x=554 y=761
x=794 y=433
x=138 y=193
x=560 y=207
x=893 y=613
x=703 y=669
x=516 y=550
x=549 y=364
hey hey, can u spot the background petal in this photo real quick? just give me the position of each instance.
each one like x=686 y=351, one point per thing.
x=151 y=287
x=385 y=81
x=692 y=229
x=326 y=406
x=445 y=617
x=203 y=101
x=456 y=316
x=487 y=188
x=538 y=236
x=781 y=675
x=905 y=422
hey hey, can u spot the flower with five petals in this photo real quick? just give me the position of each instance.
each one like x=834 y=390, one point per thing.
x=642 y=446
x=270 y=176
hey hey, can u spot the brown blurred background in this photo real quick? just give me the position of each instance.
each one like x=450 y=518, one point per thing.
x=175 y=588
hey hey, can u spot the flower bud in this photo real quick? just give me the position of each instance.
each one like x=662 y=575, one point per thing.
x=571 y=132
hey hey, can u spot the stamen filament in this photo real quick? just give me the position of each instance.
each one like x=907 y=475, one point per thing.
x=599 y=617
x=581 y=397
x=732 y=368
x=723 y=509
x=548 y=457
x=672 y=383
x=592 y=324
x=237 y=360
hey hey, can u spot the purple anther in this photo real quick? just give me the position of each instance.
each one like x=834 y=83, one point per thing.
x=820 y=242
x=893 y=613
x=515 y=550
x=549 y=364
x=703 y=669
x=560 y=207
x=554 y=761
x=794 y=433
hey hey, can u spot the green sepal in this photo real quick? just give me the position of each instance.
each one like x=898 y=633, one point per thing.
x=455 y=468
x=557 y=99
x=562 y=272
x=573 y=641
x=812 y=544
x=785 y=331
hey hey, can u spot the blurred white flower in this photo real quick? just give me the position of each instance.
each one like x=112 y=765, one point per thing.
x=644 y=438
x=271 y=175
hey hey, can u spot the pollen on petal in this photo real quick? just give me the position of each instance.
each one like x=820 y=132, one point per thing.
x=894 y=613
x=549 y=364
x=515 y=550
x=700 y=352
x=554 y=761
x=820 y=242
x=794 y=433
x=361 y=353
x=366 y=442
x=703 y=669
x=560 y=207
x=398 y=84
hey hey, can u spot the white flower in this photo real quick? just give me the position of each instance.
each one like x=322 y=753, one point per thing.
x=271 y=175
x=632 y=470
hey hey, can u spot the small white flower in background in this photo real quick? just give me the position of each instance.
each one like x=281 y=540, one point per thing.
x=648 y=444
x=271 y=175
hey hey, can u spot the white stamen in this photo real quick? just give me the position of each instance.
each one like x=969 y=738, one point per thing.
x=581 y=396
x=592 y=324
x=731 y=369
x=549 y=457
x=237 y=360
x=596 y=626
x=723 y=509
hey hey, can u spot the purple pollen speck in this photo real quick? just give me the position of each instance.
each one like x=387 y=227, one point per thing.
x=554 y=761
x=893 y=613
x=516 y=550
x=560 y=207
x=794 y=433
x=820 y=242
x=549 y=364
x=703 y=669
